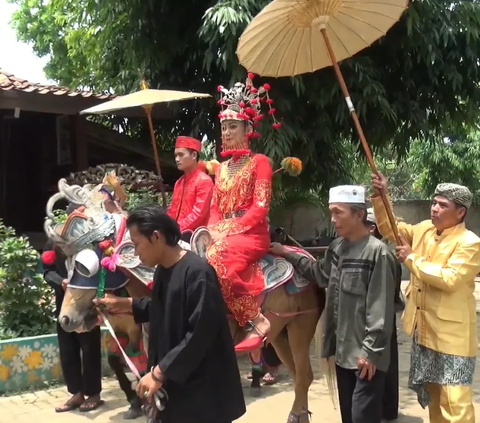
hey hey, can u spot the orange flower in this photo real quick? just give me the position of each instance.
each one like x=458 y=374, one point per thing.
x=202 y=166
x=292 y=166
x=56 y=371
x=4 y=373
x=33 y=360
x=32 y=377
x=212 y=166
x=9 y=351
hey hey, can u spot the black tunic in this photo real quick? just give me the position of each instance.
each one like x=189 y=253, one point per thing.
x=190 y=340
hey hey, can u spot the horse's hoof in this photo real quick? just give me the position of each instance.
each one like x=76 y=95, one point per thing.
x=255 y=392
x=133 y=413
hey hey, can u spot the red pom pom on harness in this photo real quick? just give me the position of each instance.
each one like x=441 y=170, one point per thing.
x=49 y=257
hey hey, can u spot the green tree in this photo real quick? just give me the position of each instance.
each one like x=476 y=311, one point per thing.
x=415 y=176
x=455 y=160
x=401 y=171
x=413 y=84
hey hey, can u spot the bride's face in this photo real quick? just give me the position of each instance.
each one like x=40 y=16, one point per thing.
x=233 y=134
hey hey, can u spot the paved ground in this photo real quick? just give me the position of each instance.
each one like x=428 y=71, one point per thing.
x=272 y=407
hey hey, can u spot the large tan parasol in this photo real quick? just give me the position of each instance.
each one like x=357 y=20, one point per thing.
x=145 y=98
x=292 y=37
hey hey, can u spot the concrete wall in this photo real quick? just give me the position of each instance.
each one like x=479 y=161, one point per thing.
x=27 y=363
x=304 y=221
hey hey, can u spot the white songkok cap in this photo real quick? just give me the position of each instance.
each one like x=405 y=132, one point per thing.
x=350 y=194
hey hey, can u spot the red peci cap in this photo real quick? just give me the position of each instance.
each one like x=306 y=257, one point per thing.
x=188 y=142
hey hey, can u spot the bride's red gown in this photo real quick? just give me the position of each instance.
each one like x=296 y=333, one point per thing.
x=239 y=209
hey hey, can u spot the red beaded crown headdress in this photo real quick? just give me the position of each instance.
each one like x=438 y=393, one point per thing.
x=243 y=102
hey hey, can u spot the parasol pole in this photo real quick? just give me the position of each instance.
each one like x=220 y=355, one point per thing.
x=148 y=112
x=359 y=129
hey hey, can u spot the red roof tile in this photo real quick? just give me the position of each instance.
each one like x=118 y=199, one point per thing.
x=11 y=82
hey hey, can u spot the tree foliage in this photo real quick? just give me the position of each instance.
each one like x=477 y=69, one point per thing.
x=401 y=171
x=417 y=82
x=415 y=176
x=455 y=160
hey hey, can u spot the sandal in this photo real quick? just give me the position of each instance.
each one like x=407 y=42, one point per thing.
x=68 y=406
x=270 y=378
x=91 y=405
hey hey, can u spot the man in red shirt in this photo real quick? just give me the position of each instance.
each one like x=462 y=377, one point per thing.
x=192 y=193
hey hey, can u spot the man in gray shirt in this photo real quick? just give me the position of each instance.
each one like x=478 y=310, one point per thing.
x=391 y=394
x=359 y=274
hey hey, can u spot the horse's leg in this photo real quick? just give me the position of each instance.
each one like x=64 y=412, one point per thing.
x=284 y=352
x=300 y=334
x=126 y=386
x=277 y=326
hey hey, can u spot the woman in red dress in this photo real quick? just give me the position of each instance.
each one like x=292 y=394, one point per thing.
x=238 y=214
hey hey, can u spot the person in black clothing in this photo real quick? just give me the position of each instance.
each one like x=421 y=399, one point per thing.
x=190 y=352
x=391 y=395
x=84 y=382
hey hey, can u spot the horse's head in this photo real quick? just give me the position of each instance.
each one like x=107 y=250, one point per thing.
x=98 y=250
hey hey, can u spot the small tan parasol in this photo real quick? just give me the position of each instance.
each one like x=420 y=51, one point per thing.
x=292 y=37
x=145 y=98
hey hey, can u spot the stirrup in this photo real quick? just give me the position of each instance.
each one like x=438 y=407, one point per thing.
x=251 y=344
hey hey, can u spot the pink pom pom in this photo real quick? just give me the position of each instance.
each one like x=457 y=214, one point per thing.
x=110 y=263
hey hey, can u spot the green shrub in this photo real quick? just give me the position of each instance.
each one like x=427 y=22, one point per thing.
x=142 y=197
x=26 y=307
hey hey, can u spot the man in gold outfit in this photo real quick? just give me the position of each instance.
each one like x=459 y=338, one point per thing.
x=440 y=315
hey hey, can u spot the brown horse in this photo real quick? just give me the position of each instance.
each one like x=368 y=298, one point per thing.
x=298 y=313
x=296 y=307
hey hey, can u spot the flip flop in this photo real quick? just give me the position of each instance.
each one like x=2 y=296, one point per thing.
x=270 y=379
x=90 y=405
x=67 y=407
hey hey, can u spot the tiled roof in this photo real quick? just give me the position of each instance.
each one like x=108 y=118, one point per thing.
x=10 y=82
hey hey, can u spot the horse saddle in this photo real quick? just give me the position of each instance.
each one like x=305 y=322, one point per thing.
x=276 y=270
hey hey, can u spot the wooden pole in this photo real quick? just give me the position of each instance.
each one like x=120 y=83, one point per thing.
x=295 y=241
x=359 y=129
x=148 y=111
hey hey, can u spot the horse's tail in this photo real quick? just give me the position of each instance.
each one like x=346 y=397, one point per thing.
x=327 y=365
